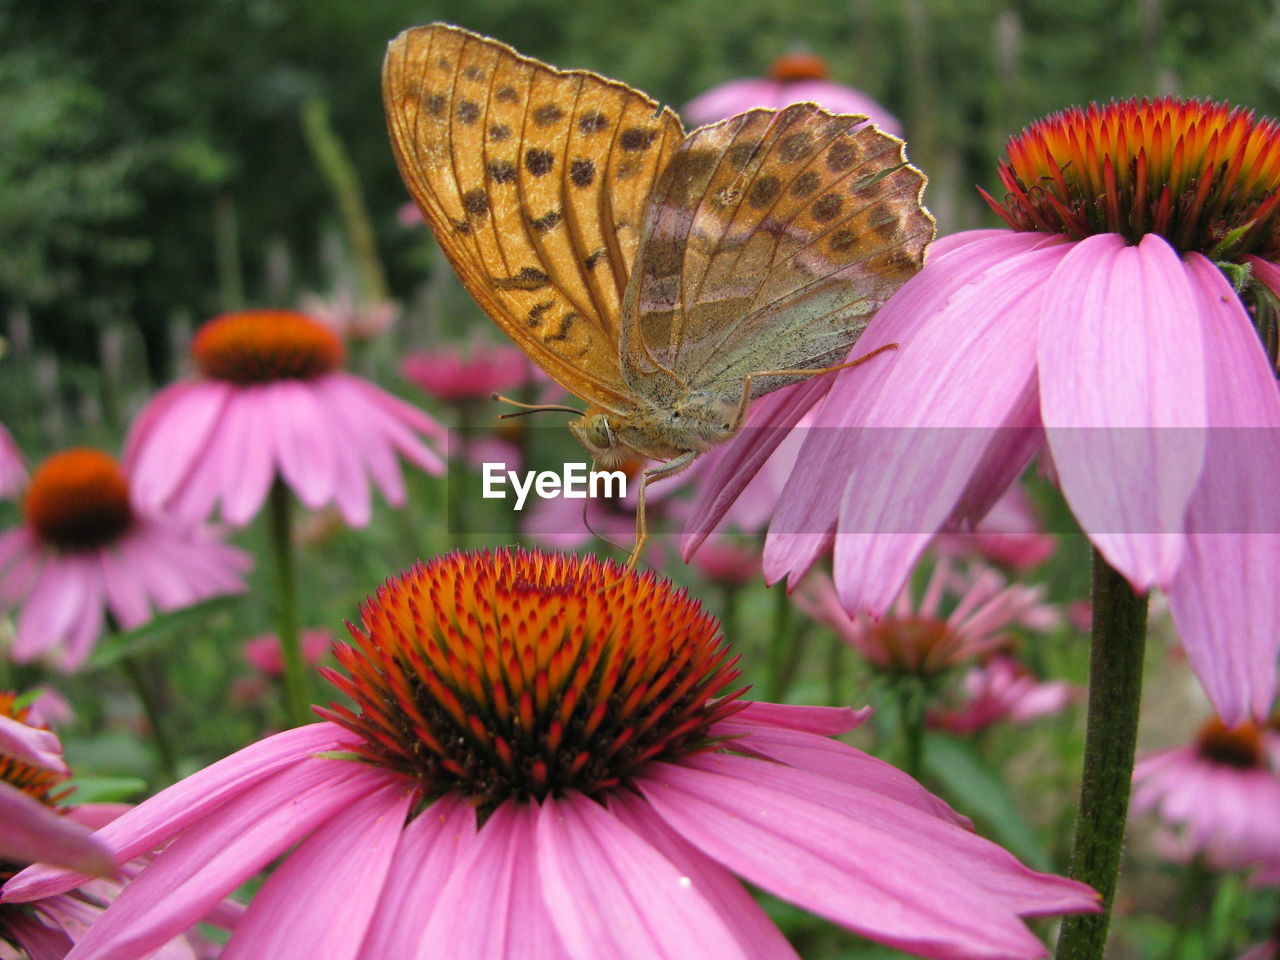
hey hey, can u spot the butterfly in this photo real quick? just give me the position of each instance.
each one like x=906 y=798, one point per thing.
x=665 y=279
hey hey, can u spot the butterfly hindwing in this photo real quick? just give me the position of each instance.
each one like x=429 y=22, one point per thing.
x=768 y=244
x=534 y=182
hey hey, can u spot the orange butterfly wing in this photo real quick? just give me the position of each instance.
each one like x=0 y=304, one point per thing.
x=534 y=182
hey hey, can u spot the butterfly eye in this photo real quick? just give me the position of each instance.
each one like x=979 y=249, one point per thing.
x=599 y=431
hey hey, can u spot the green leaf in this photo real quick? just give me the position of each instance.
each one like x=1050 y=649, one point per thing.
x=980 y=792
x=105 y=789
x=158 y=631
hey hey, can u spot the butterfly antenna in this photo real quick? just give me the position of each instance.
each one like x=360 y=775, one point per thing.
x=528 y=408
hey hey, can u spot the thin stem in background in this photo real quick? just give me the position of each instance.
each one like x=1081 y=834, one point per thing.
x=1115 y=694
x=280 y=516
x=142 y=680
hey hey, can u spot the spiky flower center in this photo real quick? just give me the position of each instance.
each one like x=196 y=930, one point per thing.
x=43 y=785
x=798 y=65
x=1203 y=175
x=522 y=674
x=1240 y=747
x=259 y=346
x=922 y=646
x=78 y=499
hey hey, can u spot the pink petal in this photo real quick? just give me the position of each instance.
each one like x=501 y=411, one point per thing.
x=372 y=448
x=88 y=626
x=1223 y=597
x=53 y=609
x=304 y=444
x=39 y=941
x=612 y=894
x=401 y=422
x=1266 y=272
x=758 y=936
x=320 y=900
x=824 y=721
x=205 y=864
x=965 y=358
x=148 y=825
x=1122 y=396
x=888 y=871
x=125 y=594
x=430 y=847
x=40 y=748
x=248 y=466
x=30 y=832
x=170 y=436
x=484 y=910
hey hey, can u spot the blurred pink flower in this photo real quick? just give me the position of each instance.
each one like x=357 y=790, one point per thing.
x=87 y=548
x=344 y=314
x=451 y=374
x=466 y=830
x=273 y=401
x=1010 y=535
x=915 y=637
x=263 y=653
x=793 y=78
x=1267 y=950
x=13 y=468
x=727 y=560
x=1002 y=690
x=1099 y=332
x=1221 y=793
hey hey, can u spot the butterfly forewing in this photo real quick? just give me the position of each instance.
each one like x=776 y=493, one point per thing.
x=534 y=182
x=769 y=243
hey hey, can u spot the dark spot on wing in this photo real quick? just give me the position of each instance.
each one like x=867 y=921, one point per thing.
x=468 y=111
x=593 y=258
x=548 y=221
x=476 y=202
x=592 y=121
x=805 y=184
x=842 y=156
x=742 y=152
x=502 y=171
x=473 y=73
x=498 y=132
x=827 y=208
x=795 y=146
x=842 y=240
x=529 y=278
x=562 y=333
x=538 y=161
x=637 y=138
x=444 y=63
x=462 y=227
x=434 y=104
x=507 y=95
x=538 y=309
x=582 y=172
x=764 y=191
x=547 y=114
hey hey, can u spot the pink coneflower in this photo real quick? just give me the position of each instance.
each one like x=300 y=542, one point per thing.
x=1002 y=690
x=453 y=374
x=36 y=825
x=87 y=548
x=264 y=654
x=917 y=637
x=273 y=401
x=1220 y=792
x=1101 y=331
x=1011 y=535
x=797 y=77
x=547 y=758
x=13 y=468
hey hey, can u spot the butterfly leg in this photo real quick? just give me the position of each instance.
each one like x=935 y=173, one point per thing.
x=741 y=415
x=668 y=469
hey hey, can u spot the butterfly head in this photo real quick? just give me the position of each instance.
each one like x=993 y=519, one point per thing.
x=596 y=432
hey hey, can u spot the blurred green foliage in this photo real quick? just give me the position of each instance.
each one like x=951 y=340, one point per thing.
x=134 y=131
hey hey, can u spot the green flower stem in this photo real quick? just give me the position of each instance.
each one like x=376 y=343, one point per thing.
x=280 y=515
x=1115 y=693
x=140 y=678
x=912 y=706
x=785 y=647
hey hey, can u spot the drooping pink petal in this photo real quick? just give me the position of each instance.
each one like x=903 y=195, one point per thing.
x=428 y=850
x=893 y=445
x=150 y=824
x=475 y=912
x=612 y=894
x=91 y=620
x=935 y=890
x=371 y=448
x=40 y=748
x=126 y=592
x=758 y=936
x=320 y=900
x=303 y=440
x=52 y=609
x=1223 y=597
x=31 y=832
x=170 y=436
x=249 y=467
x=1122 y=397
x=198 y=869
x=401 y=422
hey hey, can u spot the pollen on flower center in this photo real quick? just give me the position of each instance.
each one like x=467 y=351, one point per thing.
x=798 y=65
x=1240 y=747
x=1203 y=175
x=78 y=498
x=523 y=674
x=258 y=346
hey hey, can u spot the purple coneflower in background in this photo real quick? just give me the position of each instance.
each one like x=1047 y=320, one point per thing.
x=1221 y=794
x=1003 y=690
x=273 y=401
x=547 y=758
x=87 y=548
x=13 y=468
x=454 y=374
x=797 y=77
x=1102 y=330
